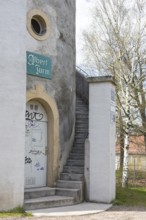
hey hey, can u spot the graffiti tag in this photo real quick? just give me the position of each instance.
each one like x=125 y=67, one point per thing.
x=36 y=152
x=28 y=160
x=30 y=116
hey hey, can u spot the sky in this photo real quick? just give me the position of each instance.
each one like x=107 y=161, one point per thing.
x=83 y=20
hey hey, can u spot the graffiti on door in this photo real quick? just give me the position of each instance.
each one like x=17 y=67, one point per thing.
x=35 y=145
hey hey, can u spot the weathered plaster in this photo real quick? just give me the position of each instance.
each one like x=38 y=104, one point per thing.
x=12 y=99
x=60 y=47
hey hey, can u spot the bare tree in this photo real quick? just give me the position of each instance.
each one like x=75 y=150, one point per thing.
x=116 y=45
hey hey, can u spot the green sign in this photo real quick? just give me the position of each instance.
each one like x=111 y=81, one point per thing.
x=39 y=65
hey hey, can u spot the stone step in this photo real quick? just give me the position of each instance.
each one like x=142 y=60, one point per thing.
x=78 y=150
x=69 y=184
x=75 y=193
x=81 y=127
x=81 y=131
x=83 y=112
x=79 y=141
x=73 y=169
x=48 y=202
x=75 y=163
x=81 y=117
x=81 y=103
x=80 y=108
x=79 y=146
x=72 y=176
x=77 y=156
x=80 y=136
x=81 y=121
x=38 y=192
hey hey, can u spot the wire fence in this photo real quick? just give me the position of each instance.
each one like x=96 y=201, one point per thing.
x=136 y=168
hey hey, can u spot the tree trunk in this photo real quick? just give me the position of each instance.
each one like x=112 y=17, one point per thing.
x=145 y=141
x=125 y=162
x=121 y=150
x=126 y=139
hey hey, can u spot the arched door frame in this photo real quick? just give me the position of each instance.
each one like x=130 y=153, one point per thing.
x=50 y=106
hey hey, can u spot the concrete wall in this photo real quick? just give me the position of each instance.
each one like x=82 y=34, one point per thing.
x=60 y=47
x=100 y=166
x=12 y=102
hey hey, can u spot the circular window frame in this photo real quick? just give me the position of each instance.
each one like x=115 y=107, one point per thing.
x=41 y=18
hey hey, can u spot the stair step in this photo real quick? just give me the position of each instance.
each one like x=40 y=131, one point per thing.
x=75 y=163
x=82 y=120
x=73 y=169
x=72 y=176
x=82 y=131
x=69 y=184
x=81 y=107
x=78 y=147
x=75 y=193
x=79 y=141
x=82 y=128
x=78 y=150
x=81 y=136
x=76 y=156
x=83 y=124
x=79 y=144
x=80 y=111
x=48 y=202
x=81 y=117
x=38 y=192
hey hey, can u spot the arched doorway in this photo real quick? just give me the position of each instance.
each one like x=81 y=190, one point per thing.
x=36 y=125
x=49 y=106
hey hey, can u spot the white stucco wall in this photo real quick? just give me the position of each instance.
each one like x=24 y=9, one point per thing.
x=101 y=182
x=12 y=102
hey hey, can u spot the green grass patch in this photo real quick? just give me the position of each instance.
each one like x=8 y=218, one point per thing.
x=134 y=194
x=16 y=212
x=130 y=196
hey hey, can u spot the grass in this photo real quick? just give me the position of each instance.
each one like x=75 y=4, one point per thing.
x=16 y=212
x=134 y=194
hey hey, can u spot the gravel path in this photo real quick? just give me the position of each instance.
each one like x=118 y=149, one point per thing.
x=114 y=213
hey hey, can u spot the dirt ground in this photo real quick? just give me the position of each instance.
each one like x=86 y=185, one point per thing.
x=114 y=213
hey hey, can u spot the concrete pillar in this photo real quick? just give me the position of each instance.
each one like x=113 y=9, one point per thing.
x=12 y=102
x=100 y=164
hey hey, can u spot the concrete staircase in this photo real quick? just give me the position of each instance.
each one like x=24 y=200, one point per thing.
x=69 y=189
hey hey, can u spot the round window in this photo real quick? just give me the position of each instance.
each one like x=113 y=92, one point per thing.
x=38 y=24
